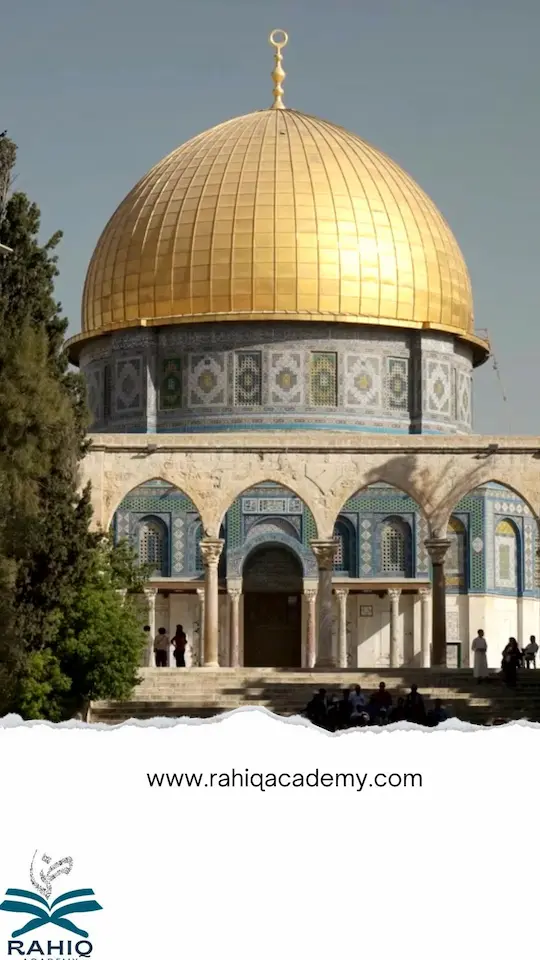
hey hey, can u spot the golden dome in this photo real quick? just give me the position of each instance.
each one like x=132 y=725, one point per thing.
x=278 y=216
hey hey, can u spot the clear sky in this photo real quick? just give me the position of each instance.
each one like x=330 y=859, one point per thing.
x=95 y=92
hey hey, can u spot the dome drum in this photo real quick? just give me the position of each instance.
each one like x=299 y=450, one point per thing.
x=281 y=376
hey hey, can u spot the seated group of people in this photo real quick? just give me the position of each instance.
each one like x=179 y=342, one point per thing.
x=356 y=709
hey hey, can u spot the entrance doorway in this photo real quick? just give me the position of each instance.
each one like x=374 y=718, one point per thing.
x=272 y=586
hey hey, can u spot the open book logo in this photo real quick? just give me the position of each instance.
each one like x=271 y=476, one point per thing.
x=40 y=906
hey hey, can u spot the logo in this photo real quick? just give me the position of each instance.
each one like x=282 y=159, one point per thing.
x=44 y=910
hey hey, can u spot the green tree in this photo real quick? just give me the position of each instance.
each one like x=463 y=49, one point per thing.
x=58 y=582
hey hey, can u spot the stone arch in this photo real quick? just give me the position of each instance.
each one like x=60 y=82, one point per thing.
x=468 y=485
x=282 y=479
x=481 y=509
x=163 y=503
x=236 y=559
x=118 y=485
x=372 y=504
x=405 y=473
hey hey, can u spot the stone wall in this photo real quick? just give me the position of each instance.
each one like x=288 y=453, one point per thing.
x=323 y=469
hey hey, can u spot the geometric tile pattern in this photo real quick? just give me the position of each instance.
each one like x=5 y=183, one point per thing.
x=363 y=381
x=207 y=380
x=128 y=384
x=170 y=391
x=323 y=379
x=178 y=545
x=247 y=379
x=396 y=392
x=94 y=393
x=438 y=387
x=464 y=399
x=366 y=547
x=286 y=381
x=290 y=372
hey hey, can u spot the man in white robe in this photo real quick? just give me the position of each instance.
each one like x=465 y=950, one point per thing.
x=480 y=664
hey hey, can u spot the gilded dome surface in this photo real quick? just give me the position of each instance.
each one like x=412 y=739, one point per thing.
x=277 y=215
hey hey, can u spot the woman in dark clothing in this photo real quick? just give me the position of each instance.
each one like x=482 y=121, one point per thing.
x=179 y=642
x=511 y=660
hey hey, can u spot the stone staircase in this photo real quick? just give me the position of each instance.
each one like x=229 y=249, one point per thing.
x=205 y=693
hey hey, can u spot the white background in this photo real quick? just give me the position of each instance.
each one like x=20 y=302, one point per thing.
x=446 y=870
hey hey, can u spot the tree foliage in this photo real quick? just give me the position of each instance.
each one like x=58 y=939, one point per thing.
x=66 y=634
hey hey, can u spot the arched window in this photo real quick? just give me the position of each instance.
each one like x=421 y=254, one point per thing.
x=345 y=558
x=395 y=554
x=506 y=556
x=455 y=562
x=153 y=545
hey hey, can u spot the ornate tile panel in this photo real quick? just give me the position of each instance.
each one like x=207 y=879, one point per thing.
x=207 y=381
x=363 y=381
x=128 y=392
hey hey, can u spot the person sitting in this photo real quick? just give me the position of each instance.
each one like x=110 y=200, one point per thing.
x=529 y=653
x=398 y=713
x=437 y=714
x=415 y=710
x=345 y=709
x=357 y=698
x=380 y=700
x=333 y=713
x=316 y=708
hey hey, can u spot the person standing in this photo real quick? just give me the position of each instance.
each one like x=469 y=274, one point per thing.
x=511 y=660
x=179 y=642
x=480 y=664
x=161 y=648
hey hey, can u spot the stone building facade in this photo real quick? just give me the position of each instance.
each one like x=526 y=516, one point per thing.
x=278 y=342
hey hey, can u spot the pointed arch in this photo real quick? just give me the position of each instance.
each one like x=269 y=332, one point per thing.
x=153 y=545
x=156 y=512
x=345 y=561
x=507 y=544
x=456 y=566
x=394 y=547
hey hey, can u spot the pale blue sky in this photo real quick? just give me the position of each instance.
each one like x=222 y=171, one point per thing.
x=96 y=91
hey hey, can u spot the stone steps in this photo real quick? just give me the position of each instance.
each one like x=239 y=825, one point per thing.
x=201 y=692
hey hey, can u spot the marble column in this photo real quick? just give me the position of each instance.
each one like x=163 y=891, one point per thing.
x=395 y=638
x=150 y=595
x=234 y=606
x=425 y=626
x=211 y=552
x=437 y=548
x=311 y=628
x=199 y=652
x=342 y=594
x=325 y=551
